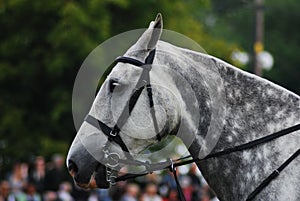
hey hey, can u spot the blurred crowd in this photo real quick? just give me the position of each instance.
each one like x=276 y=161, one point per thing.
x=41 y=181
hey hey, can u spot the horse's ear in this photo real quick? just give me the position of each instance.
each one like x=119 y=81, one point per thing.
x=156 y=29
x=149 y=38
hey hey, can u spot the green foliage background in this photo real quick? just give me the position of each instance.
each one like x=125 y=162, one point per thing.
x=43 y=44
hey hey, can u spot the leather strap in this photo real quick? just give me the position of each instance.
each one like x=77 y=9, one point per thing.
x=107 y=131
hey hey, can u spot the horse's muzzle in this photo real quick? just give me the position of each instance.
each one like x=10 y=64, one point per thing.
x=98 y=179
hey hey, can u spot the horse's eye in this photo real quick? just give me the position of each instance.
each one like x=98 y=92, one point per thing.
x=112 y=84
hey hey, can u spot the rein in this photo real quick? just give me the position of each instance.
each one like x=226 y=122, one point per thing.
x=113 y=159
x=172 y=164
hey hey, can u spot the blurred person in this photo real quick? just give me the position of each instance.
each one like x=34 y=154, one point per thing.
x=24 y=171
x=37 y=175
x=149 y=178
x=118 y=190
x=64 y=192
x=18 y=178
x=173 y=195
x=151 y=193
x=56 y=174
x=5 y=194
x=153 y=178
x=18 y=181
x=196 y=183
x=169 y=179
x=132 y=193
x=103 y=194
x=208 y=194
x=51 y=196
x=19 y=196
x=100 y=195
x=93 y=196
x=31 y=193
x=187 y=187
x=164 y=191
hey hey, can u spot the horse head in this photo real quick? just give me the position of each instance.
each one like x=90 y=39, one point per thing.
x=128 y=114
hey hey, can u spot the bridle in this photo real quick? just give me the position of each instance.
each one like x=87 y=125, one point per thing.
x=113 y=159
x=113 y=133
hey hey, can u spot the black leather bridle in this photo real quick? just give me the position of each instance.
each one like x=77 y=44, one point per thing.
x=113 y=159
x=112 y=133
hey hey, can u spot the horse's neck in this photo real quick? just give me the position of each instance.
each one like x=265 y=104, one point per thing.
x=254 y=108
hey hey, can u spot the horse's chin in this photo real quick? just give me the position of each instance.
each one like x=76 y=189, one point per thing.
x=91 y=185
x=100 y=177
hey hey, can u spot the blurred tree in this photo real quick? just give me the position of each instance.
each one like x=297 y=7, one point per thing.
x=282 y=39
x=43 y=44
x=234 y=21
x=185 y=17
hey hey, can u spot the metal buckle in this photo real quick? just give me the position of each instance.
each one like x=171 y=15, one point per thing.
x=112 y=159
x=108 y=173
x=171 y=167
x=113 y=133
x=110 y=178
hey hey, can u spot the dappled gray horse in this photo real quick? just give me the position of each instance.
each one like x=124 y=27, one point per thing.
x=158 y=89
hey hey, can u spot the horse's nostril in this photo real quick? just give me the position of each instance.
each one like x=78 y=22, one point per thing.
x=72 y=167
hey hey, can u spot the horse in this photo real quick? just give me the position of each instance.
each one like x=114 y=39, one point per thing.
x=158 y=90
